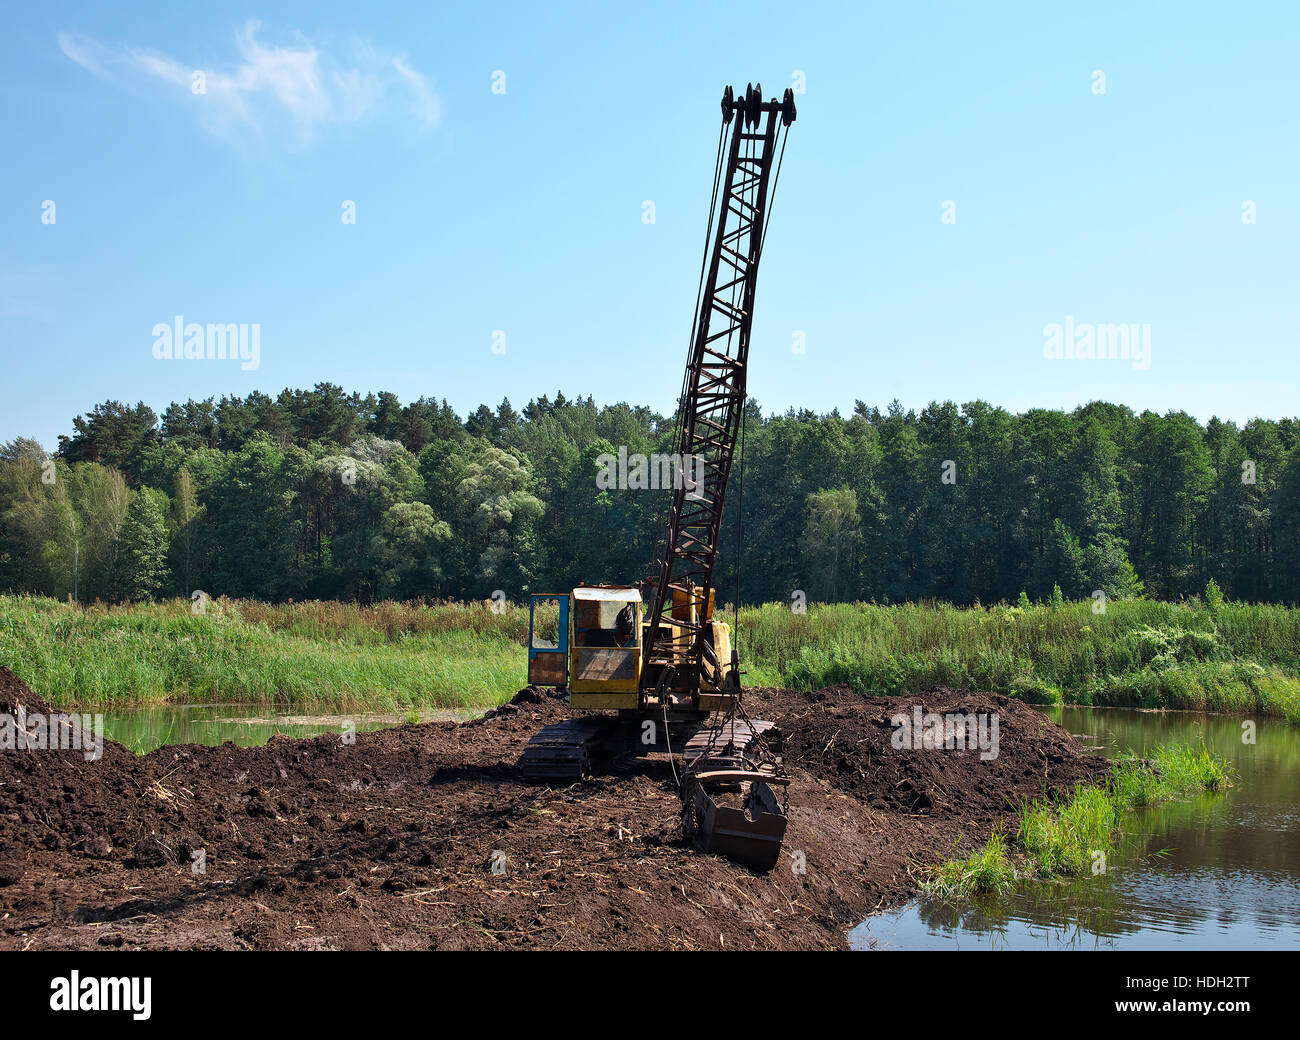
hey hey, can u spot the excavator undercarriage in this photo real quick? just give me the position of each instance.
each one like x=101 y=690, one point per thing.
x=729 y=769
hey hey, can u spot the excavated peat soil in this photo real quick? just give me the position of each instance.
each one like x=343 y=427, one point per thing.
x=389 y=842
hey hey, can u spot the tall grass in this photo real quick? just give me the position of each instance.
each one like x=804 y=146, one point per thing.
x=1240 y=658
x=1243 y=658
x=985 y=871
x=324 y=656
x=1061 y=839
x=1168 y=770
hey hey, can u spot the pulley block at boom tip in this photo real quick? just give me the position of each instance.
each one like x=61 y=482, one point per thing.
x=751 y=105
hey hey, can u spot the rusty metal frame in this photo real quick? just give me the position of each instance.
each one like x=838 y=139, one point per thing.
x=712 y=408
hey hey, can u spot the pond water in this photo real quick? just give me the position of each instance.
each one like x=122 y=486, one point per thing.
x=1217 y=871
x=144 y=729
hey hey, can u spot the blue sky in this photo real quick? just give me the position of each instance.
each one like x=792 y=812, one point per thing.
x=522 y=211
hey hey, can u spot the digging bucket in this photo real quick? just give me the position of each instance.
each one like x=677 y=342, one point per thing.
x=751 y=835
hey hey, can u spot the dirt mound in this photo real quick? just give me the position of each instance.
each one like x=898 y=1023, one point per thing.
x=849 y=740
x=15 y=694
x=424 y=836
x=548 y=702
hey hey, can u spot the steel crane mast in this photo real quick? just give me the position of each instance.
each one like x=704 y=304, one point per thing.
x=712 y=405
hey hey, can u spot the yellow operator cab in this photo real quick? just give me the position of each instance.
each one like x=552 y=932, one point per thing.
x=605 y=647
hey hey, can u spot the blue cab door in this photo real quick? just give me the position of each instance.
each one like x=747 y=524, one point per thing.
x=548 y=640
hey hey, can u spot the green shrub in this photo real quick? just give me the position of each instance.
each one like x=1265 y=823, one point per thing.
x=1032 y=690
x=1213 y=597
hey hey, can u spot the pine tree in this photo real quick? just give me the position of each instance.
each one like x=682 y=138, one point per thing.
x=142 y=560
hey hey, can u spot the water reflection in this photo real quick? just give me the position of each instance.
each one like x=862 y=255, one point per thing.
x=148 y=728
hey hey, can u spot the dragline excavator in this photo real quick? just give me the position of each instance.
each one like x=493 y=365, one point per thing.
x=672 y=674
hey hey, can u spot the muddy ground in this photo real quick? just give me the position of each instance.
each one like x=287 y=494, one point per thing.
x=388 y=842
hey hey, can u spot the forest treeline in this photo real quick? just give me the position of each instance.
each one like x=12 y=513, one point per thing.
x=323 y=494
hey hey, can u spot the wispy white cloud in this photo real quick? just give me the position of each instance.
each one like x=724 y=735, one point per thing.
x=301 y=86
x=86 y=53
